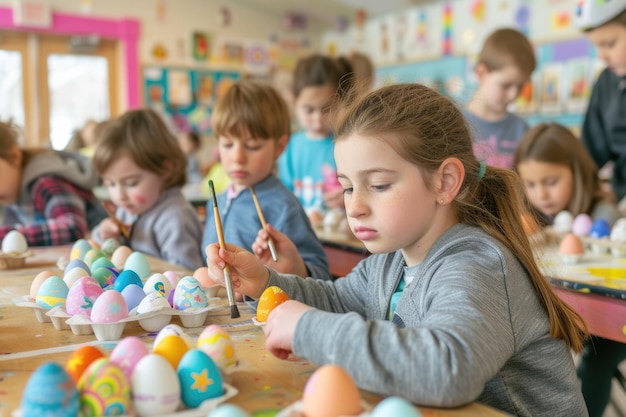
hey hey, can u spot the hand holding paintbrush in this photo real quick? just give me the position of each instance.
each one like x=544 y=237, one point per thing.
x=110 y=209
x=234 y=311
x=270 y=242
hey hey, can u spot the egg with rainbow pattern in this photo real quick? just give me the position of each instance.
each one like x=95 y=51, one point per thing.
x=104 y=390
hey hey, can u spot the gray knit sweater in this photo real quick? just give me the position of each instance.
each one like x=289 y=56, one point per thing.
x=469 y=327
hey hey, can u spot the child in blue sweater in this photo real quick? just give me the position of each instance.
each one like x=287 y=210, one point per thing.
x=251 y=122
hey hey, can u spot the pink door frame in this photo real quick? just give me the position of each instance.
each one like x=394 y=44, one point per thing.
x=126 y=31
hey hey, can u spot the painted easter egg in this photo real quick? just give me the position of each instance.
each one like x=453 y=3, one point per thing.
x=52 y=292
x=80 y=359
x=110 y=307
x=330 y=392
x=50 y=391
x=215 y=342
x=189 y=294
x=79 y=249
x=200 y=378
x=138 y=262
x=127 y=353
x=155 y=385
x=82 y=295
x=104 y=390
x=271 y=297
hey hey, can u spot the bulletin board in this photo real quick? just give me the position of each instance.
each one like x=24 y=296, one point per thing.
x=185 y=96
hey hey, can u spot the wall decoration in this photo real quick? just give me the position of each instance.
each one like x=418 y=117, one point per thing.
x=522 y=18
x=578 y=87
x=226 y=16
x=257 y=58
x=200 y=46
x=526 y=103
x=421 y=37
x=159 y=52
x=560 y=20
x=477 y=10
x=550 y=100
x=185 y=97
x=447 y=30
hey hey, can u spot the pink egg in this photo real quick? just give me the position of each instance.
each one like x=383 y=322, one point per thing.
x=172 y=277
x=110 y=307
x=582 y=225
x=127 y=353
x=82 y=295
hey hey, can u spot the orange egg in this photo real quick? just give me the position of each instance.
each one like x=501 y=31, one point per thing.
x=271 y=297
x=331 y=392
x=571 y=245
x=202 y=275
x=120 y=255
x=81 y=359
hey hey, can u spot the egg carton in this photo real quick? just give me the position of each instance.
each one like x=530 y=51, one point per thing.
x=201 y=411
x=13 y=261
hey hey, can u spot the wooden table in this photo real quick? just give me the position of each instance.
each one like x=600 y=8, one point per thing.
x=265 y=384
x=596 y=288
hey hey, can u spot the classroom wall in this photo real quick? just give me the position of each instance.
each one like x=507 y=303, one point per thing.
x=436 y=43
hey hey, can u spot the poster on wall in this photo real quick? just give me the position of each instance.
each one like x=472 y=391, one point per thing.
x=550 y=100
x=578 y=89
x=185 y=97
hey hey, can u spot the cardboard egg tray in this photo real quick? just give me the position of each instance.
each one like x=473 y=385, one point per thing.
x=13 y=261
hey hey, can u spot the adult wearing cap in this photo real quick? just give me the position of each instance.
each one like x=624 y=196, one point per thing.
x=604 y=136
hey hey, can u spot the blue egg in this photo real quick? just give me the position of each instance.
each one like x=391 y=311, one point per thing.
x=599 y=229
x=395 y=406
x=200 y=378
x=50 y=392
x=228 y=410
x=125 y=278
x=52 y=292
x=77 y=263
x=133 y=294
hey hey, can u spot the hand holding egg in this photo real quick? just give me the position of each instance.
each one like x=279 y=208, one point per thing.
x=281 y=327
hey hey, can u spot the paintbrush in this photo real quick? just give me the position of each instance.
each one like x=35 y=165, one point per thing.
x=234 y=311
x=120 y=225
x=270 y=241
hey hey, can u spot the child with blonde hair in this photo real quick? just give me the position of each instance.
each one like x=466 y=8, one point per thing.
x=143 y=170
x=44 y=194
x=505 y=63
x=451 y=306
x=252 y=125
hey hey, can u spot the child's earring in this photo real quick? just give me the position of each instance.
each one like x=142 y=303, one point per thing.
x=441 y=201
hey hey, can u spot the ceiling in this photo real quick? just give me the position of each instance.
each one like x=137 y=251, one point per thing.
x=323 y=14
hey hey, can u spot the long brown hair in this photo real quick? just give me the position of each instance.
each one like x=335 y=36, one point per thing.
x=555 y=144
x=425 y=128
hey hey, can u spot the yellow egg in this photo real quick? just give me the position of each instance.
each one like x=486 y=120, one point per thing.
x=271 y=297
x=172 y=348
x=331 y=392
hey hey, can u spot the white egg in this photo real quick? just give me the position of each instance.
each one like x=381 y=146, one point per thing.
x=14 y=243
x=563 y=222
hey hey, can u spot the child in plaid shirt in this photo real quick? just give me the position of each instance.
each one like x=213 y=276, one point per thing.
x=143 y=169
x=46 y=195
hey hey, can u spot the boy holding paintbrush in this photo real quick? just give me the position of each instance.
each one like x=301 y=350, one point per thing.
x=252 y=125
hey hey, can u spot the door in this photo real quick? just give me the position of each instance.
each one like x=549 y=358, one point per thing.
x=52 y=85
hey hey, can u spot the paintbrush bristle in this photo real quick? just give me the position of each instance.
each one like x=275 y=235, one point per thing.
x=234 y=312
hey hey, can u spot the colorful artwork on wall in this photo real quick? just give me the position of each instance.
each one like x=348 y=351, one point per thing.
x=185 y=97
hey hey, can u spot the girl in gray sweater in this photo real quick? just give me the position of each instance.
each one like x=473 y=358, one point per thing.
x=451 y=307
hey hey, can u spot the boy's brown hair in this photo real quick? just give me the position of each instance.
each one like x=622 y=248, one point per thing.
x=143 y=136
x=508 y=47
x=319 y=70
x=251 y=108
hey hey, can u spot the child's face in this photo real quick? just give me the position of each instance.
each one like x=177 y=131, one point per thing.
x=388 y=203
x=313 y=109
x=549 y=186
x=10 y=184
x=610 y=40
x=499 y=88
x=248 y=161
x=130 y=187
